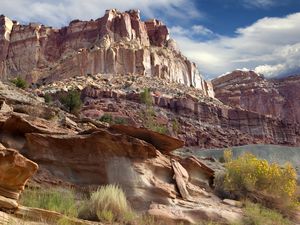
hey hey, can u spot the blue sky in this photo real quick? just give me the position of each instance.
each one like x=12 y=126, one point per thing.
x=219 y=35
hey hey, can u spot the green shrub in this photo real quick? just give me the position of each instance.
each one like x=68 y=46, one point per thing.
x=48 y=98
x=59 y=200
x=157 y=128
x=109 y=204
x=120 y=120
x=256 y=214
x=176 y=126
x=19 y=82
x=259 y=180
x=149 y=114
x=107 y=118
x=72 y=101
x=146 y=97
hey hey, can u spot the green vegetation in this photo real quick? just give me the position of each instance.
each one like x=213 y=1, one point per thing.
x=176 y=126
x=247 y=174
x=108 y=204
x=55 y=199
x=72 y=101
x=48 y=98
x=256 y=214
x=145 y=97
x=108 y=118
x=149 y=114
x=120 y=120
x=260 y=181
x=19 y=82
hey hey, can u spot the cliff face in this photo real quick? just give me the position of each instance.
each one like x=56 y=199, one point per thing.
x=279 y=98
x=117 y=43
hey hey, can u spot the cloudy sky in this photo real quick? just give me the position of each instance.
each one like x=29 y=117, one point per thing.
x=219 y=35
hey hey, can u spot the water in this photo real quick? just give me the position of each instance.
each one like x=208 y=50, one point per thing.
x=272 y=153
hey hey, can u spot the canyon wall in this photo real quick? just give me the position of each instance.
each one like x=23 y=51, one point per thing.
x=117 y=43
x=278 y=98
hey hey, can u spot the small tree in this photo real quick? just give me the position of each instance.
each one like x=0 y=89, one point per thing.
x=19 y=82
x=146 y=97
x=72 y=101
x=149 y=113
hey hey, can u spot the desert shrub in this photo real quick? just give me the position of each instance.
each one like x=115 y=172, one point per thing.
x=47 y=98
x=107 y=118
x=72 y=101
x=120 y=120
x=157 y=127
x=149 y=114
x=176 y=126
x=268 y=183
x=19 y=82
x=55 y=199
x=145 y=97
x=256 y=214
x=109 y=204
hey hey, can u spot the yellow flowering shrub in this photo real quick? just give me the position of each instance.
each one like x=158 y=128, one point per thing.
x=248 y=174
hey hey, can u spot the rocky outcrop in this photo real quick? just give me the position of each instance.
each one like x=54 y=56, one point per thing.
x=278 y=98
x=117 y=43
x=15 y=170
x=162 y=142
x=206 y=124
x=149 y=178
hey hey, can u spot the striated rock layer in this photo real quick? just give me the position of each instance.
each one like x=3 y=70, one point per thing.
x=117 y=43
x=278 y=98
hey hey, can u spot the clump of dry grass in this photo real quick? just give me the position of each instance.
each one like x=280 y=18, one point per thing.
x=107 y=204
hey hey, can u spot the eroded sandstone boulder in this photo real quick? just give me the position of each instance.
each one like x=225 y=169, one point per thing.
x=15 y=170
x=99 y=157
x=162 y=142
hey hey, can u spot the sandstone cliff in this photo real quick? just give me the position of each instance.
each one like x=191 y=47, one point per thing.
x=181 y=110
x=117 y=43
x=278 y=98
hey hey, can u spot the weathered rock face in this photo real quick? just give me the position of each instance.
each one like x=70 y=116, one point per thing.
x=15 y=170
x=206 y=124
x=117 y=43
x=279 y=99
x=150 y=179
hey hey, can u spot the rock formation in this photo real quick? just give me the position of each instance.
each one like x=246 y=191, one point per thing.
x=86 y=154
x=184 y=111
x=15 y=170
x=117 y=43
x=278 y=98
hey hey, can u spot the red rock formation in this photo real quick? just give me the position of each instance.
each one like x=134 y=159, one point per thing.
x=278 y=98
x=15 y=170
x=117 y=43
x=212 y=125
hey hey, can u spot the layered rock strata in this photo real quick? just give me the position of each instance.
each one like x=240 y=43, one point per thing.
x=117 y=43
x=219 y=123
x=15 y=170
x=278 y=98
x=165 y=186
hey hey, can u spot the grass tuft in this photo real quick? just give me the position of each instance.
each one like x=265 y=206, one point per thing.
x=54 y=199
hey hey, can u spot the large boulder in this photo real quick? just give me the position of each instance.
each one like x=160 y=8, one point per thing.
x=15 y=170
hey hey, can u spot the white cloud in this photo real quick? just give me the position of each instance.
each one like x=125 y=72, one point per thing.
x=270 y=46
x=201 y=30
x=260 y=3
x=60 y=12
x=196 y=31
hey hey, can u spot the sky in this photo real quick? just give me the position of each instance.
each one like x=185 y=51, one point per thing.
x=219 y=35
